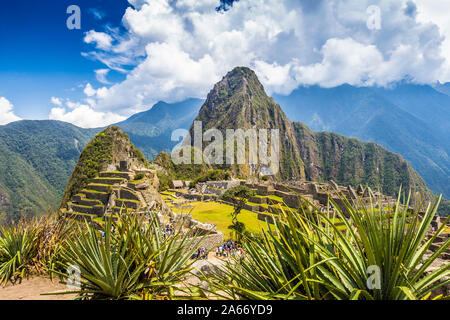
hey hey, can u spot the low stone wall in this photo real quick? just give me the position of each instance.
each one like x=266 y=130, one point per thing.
x=281 y=194
x=197 y=197
x=99 y=187
x=264 y=216
x=262 y=190
x=273 y=201
x=127 y=204
x=88 y=202
x=281 y=187
x=114 y=174
x=214 y=191
x=84 y=209
x=78 y=217
x=251 y=207
x=103 y=197
x=127 y=194
x=322 y=197
x=292 y=200
x=110 y=181
x=259 y=200
x=223 y=184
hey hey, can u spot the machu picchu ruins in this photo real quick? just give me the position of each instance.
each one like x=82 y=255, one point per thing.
x=112 y=192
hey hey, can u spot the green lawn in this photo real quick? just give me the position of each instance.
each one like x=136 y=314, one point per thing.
x=446 y=229
x=220 y=215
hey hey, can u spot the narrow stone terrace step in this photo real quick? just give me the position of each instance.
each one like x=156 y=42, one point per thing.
x=130 y=204
x=115 y=174
x=96 y=195
x=99 y=187
x=109 y=181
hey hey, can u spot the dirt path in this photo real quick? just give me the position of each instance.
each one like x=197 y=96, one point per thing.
x=33 y=288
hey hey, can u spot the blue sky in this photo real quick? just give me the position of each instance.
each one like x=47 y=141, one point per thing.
x=40 y=57
x=131 y=54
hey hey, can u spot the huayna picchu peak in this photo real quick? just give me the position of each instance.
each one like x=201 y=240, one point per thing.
x=239 y=101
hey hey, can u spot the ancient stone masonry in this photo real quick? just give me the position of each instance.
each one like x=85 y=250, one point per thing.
x=115 y=191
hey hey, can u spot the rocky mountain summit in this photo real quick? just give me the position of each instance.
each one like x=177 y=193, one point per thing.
x=112 y=176
x=239 y=101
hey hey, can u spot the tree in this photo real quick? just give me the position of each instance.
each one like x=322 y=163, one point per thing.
x=238 y=196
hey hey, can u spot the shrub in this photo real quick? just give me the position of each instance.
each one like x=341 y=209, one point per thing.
x=305 y=256
x=211 y=175
x=139 y=176
x=17 y=251
x=164 y=181
x=131 y=261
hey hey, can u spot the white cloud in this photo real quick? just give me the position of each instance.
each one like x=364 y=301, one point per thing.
x=85 y=116
x=56 y=101
x=179 y=49
x=436 y=11
x=89 y=91
x=101 y=40
x=101 y=75
x=6 y=112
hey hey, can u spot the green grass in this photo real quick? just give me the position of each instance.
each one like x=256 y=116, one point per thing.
x=446 y=229
x=220 y=215
x=93 y=191
x=79 y=205
x=137 y=181
x=273 y=197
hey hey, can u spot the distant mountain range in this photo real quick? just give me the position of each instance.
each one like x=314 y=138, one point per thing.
x=411 y=120
x=38 y=157
x=36 y=161
x=151 y=130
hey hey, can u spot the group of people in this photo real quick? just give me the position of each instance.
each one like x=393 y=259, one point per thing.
x=201 y=253
x=168 y=231
x=229 y=248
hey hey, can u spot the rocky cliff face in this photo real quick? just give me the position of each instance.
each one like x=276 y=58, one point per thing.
x=239 y=101
x=330 y=156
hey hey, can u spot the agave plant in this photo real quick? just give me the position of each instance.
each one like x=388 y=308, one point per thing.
x=395 y=245
x=17 y=251
x=128 y=259
x=51 y=234
x=306 y=256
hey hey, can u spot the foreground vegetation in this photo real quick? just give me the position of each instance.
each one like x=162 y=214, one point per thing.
x=305 y=256
x=302 y=256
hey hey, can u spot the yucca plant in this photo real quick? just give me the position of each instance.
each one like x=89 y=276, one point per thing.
x=395 y=245
x=278 y=264
x=169 y=265
x=128 y=259
x=17 y=251
x=51 y=234
x=306 y=256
